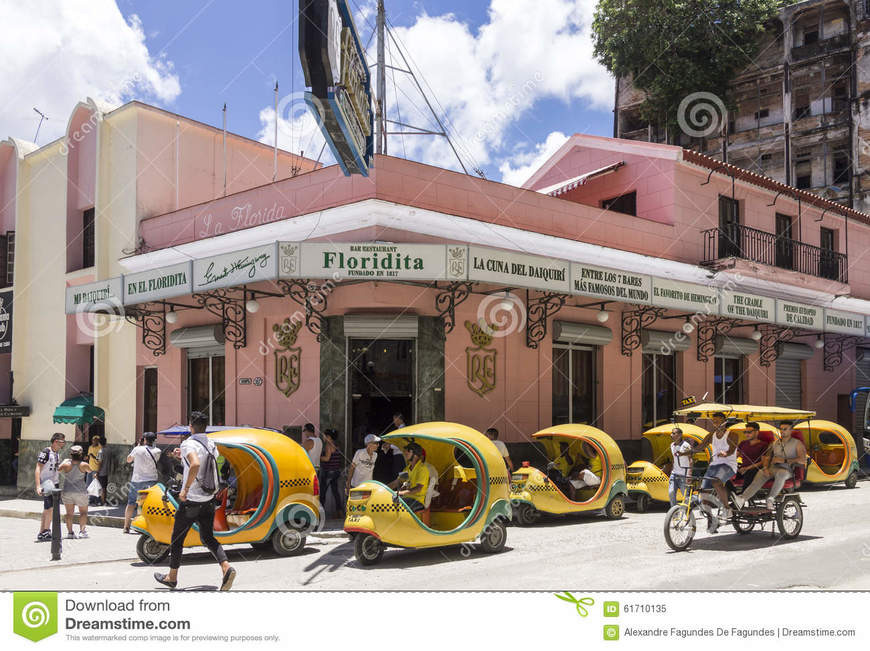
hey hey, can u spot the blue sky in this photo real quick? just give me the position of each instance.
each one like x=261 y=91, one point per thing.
x=512 y=83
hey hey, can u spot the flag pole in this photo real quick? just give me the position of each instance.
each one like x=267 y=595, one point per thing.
x=225 y=148
x=275 y=161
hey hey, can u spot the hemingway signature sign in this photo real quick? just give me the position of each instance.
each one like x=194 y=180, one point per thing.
x=248 y=266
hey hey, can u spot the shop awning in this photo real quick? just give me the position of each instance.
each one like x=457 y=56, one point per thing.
x=569 y=184
x=78 y=411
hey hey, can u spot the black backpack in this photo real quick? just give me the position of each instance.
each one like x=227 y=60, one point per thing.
x=208 y=476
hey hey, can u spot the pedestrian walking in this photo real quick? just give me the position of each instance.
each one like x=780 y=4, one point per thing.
x=46 y=476
x=106 y=467
x=331 y=464
x=146 y=472
x=75 y=490
x=363 y=463
x=389 y=464
x=196 y=502
x=95 y=455
x=492 y=435
x=313 y=445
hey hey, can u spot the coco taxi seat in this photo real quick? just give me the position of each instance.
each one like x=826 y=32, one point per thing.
x=220 y=513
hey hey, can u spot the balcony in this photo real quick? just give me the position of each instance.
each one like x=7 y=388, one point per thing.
x=829 y=45
x=738 y=241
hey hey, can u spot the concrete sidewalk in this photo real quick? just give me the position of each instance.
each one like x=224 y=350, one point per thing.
x=113 y=516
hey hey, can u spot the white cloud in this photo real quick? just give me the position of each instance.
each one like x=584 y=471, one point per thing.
x=487 y=80
x=297 y=129
x=530 y=161
x=54 y=54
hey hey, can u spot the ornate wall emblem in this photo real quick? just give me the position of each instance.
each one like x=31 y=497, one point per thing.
x=456 y=259
x=480 y=360
x=288 y=360
x=288 y=258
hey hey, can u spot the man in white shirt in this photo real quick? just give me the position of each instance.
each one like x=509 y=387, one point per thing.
x=363 y=463
x=196 y=502
x=682 y=466
x=492 y=435
x=313 y=445
x=144 y=458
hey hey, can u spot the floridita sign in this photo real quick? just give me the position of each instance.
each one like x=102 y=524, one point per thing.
x=400 y=261
x=372 y=261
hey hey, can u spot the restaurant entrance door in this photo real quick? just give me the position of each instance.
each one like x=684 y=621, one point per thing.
x=381 y=383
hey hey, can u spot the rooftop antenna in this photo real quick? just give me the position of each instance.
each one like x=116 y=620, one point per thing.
x=42 y=118
x=383 y=30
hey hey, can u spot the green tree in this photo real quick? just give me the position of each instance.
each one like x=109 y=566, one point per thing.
x=672 y=49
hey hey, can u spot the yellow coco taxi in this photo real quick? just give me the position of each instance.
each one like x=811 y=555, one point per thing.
x=534 y=493
x=833 y=454
x=647 y=480
x=269 y=501
x=466 y=499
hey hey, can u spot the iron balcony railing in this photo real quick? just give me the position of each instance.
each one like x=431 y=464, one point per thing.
x=738 y=241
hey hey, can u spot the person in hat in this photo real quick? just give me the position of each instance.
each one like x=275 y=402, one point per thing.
x=46 y=476
x=363 y=463
x=413 y=490
x=75 y=490
x=146 y=473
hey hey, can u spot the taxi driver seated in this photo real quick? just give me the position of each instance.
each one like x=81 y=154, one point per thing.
x=586 y=473
x=412 y=490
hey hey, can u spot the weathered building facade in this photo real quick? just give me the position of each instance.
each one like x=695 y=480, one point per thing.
x=802 y=112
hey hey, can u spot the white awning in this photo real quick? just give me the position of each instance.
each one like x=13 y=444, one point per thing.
x=564 y=186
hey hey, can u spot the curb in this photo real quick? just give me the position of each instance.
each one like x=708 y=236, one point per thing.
x=94 y=520
x=117 y=522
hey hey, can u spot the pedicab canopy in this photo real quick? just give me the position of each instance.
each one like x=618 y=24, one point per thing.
x=78 y=411
x=745 y=412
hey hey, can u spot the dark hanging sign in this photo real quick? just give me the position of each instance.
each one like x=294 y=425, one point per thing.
x=335 y=69
x=6 y=321
x=14 y=411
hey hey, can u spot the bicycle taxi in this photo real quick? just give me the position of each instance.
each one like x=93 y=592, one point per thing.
x=680 y=522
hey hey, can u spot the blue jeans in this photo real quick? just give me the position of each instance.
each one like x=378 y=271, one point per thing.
x=676 y=482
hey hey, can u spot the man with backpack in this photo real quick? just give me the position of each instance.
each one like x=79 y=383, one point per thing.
x=146 y=473
x=196 y=502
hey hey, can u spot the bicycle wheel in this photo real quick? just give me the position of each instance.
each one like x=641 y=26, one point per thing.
x=790 y=517
x=679 y=527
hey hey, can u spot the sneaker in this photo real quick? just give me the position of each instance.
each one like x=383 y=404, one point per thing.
x=739 y=501
x=43 y=536
x=70 y=535
x=726 y=514
x=712 y=525
x=163 y=578
x=83 y=534
x=126 y=529
x=771 y=505
x=229 y=577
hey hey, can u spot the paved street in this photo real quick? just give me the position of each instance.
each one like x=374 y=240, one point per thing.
x=833 y=552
